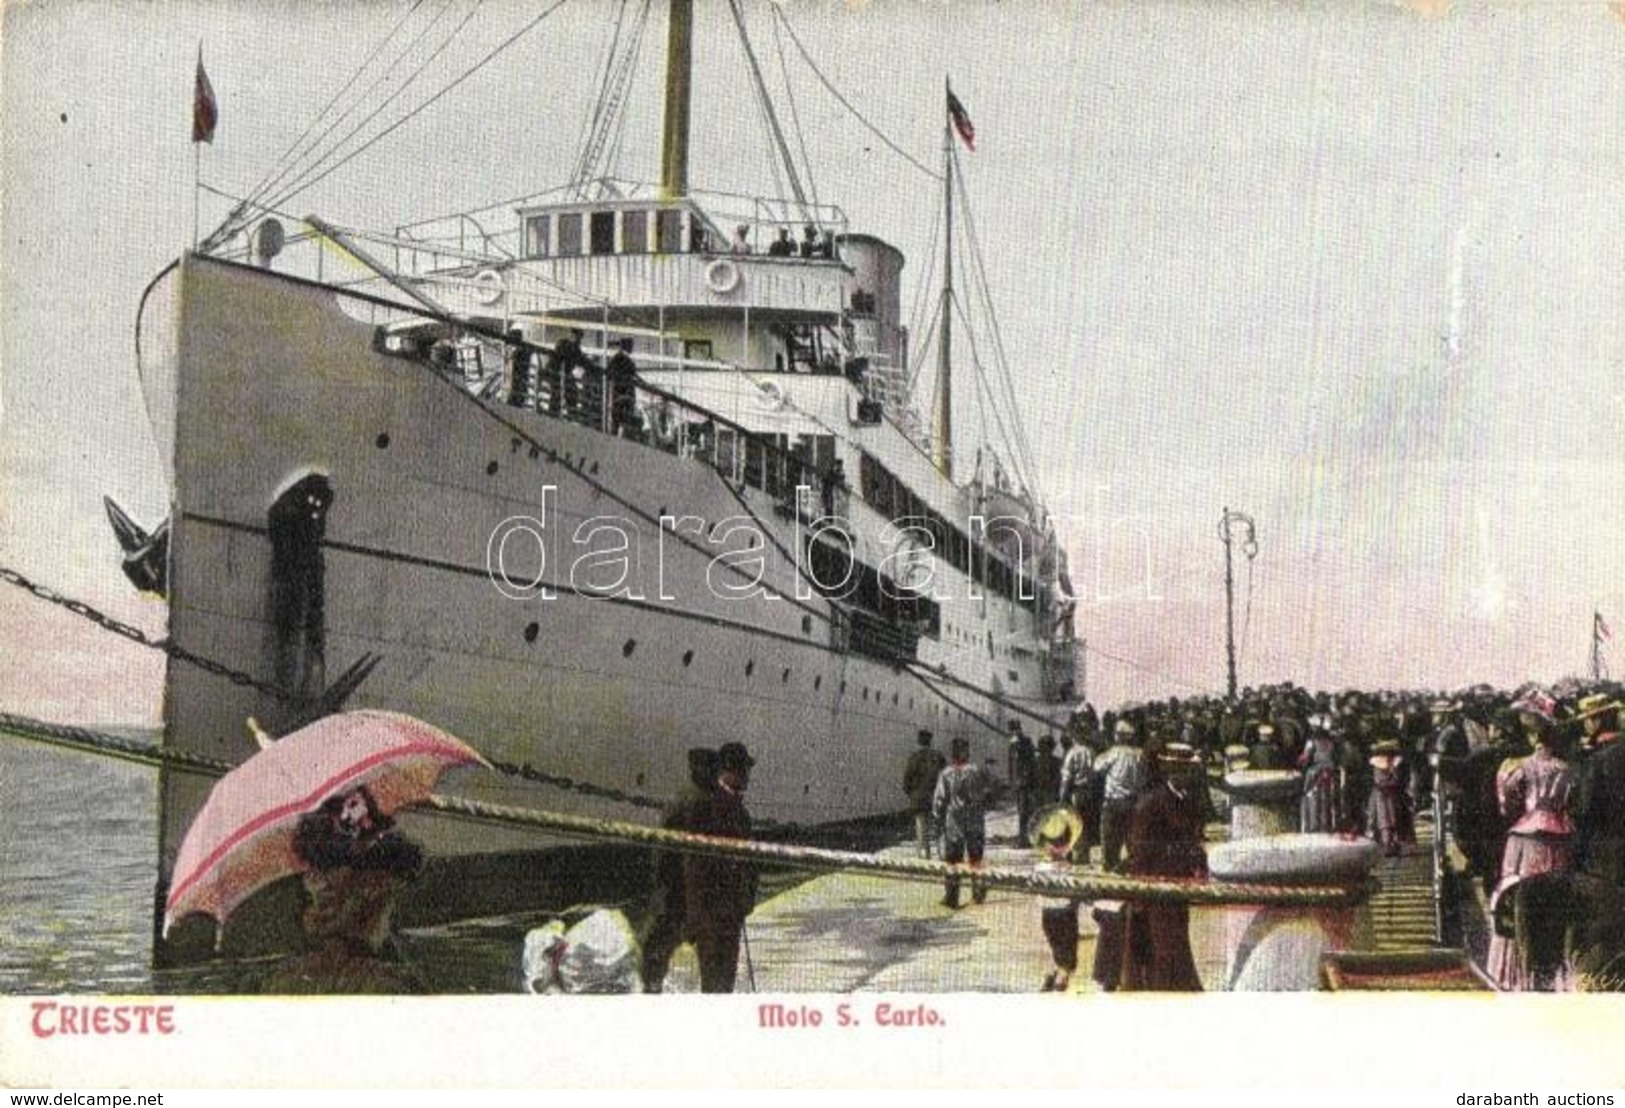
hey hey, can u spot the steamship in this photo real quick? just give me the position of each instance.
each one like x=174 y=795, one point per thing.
x=638 y=471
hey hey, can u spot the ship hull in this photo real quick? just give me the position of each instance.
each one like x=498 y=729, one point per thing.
x=512 y=575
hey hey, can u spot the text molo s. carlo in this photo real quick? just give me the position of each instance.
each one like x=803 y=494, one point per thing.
x=846 y=1014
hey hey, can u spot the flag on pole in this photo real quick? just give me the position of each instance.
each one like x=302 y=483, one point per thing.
x=205 y=112
x=961 y=120
x=1602 y=628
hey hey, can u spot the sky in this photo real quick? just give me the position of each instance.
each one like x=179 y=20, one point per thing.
x=1354 y=270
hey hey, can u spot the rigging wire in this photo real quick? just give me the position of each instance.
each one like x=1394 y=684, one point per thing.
x=613 y=160
x=1089 y=648
x=589 y=130
x=609 y=115
x=778 y=13
x=275 y=176
x=302 y=181
x=315 y=156
x=795 y=115
x=765 y=106
x=498 y=50
x=285 y=162
x=923 y=315
x=1027 y=465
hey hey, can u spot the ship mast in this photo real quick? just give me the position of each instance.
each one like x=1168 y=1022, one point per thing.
x=674 y=142
x=942 y=437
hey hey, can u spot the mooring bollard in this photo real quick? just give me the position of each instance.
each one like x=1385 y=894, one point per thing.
x=1262 y=801
x=1279 y=948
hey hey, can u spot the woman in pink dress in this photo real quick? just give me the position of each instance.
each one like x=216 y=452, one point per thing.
x=1535 y=793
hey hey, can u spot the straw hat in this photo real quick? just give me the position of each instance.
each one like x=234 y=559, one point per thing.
x=1055 y=828
x=1595 y=705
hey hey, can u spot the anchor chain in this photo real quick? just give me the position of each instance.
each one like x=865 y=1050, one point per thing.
x=527 y=772
x=136 y=635
x=524 y=771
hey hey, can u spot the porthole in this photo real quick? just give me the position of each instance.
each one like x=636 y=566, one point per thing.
x=531 y=631
x=491 y=468
x=629 y=646
x=784 y=678
x=382 y=440
x=750 y=667
x=688 y=658
x=806 y=625
x=818 y=682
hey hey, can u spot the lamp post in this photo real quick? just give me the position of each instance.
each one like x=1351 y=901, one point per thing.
x=1249 y=547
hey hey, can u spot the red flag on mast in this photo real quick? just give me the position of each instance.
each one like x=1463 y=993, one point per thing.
x=961 y=120
x=205 y=112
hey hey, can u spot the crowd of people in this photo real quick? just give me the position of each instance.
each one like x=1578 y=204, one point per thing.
x=1529 y=784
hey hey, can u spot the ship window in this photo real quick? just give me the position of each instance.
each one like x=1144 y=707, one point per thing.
x=755 y=457
x=603 y=232
x=698 y=349
x=569 y=234
x=669 y=231
x=635 y=232
x=536 y=238
x=823 y=452
x=727 y=439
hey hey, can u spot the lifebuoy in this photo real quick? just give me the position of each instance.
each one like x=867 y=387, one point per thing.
x=772 y=395
x=488 y=288
x=722 y=276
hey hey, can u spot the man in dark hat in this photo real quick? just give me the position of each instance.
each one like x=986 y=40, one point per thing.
x=622 y=373
x=718 y=893
x=919 y=782
x=1165 y=840
x=559 y=377
x=1601 y=822
x=669 y=898
x=1022 y=767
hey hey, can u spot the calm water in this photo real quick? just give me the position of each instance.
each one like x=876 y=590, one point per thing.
x=78 y=850
x=77 y=873
x=77 y=868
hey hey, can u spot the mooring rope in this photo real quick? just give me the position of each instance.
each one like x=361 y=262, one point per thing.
x=1088 y=887
x=1084 y=887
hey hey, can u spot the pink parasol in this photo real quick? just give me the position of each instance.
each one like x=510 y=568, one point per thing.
x=242 y=838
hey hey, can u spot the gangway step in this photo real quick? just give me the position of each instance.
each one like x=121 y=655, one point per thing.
x=1403 y=911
